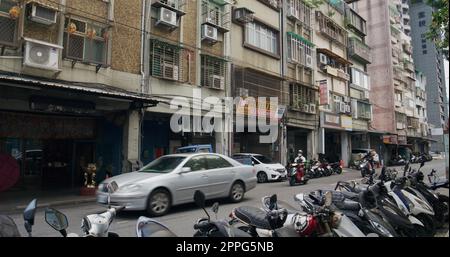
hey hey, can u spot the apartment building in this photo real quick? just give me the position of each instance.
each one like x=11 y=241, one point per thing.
x=360 y=56
x=256 y=54
x=186 y=50
x=429 y=61
x=393 y=90
x=70 y=88
x=300 y=91
x=418 y=127
x=332 y=77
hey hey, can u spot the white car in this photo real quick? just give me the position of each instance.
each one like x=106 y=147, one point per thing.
x=266 y=169
x=173 y=179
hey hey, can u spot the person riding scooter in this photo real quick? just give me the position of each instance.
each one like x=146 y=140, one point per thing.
x=300 y=158
x=296 y=172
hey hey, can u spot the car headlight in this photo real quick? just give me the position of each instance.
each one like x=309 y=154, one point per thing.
x=130 y=188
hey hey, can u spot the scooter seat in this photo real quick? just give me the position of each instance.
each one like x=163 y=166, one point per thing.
x=350 y=195
x=253 y=216
x=349 y=205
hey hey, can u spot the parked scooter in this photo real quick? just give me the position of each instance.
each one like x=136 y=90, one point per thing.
x=297 y=174
x=366 y=166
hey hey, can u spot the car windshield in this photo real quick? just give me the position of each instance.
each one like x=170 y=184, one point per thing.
x=187 y=150
x=263 y=159
x=163 y=164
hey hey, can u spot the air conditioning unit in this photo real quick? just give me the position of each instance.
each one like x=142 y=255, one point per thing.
x=305 y=108
x=209 y=33
x=43 y=15
x=308 y=61
x=218 y=82
x=170 y=71
x=291 y=13
x=342 y=107
x=348 y=109
x=167 y=17
x=323 y=59
x=312 y=108
x=366 y=94
x=346 y=99
x=42 y=55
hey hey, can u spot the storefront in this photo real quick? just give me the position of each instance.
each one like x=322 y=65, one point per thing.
x=248 y=82
x=334 y=137
x=54 y=129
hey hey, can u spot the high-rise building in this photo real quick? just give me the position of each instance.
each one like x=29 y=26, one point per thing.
x=392 y=72
x=429 y=61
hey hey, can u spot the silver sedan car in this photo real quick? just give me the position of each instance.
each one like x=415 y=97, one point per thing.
x=172 y=179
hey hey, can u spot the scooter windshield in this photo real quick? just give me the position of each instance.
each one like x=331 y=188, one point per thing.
x=147 y=227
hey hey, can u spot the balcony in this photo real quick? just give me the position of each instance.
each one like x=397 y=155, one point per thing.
x=213 y=13
x=343 y=75
x=409 y=66
x=406 y=17
x=331 y=29
x=359 y=50
x=173 y=5
x=407 y=48
x=355 y=22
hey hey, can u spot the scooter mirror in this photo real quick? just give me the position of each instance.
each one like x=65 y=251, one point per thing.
x=299 y=197
x=328 y=199
x=57 y=220
x=28 y=216
x=215 y=207
x=422 y=164
x=273 y=202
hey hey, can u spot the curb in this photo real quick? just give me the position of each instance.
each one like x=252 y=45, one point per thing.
x=19 y=208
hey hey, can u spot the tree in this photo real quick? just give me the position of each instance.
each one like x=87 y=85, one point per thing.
x=438 y=29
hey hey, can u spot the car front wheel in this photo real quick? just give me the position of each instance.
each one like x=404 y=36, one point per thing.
x=262 y=177
x=158 y=203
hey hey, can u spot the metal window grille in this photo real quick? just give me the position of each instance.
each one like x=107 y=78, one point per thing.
x=8 y=26
x=332 y=30
x=165 y=61
x=215 y=14
x=213 y=72
x=79 y=47
x=300 y=96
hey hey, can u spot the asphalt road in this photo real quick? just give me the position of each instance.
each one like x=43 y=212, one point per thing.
x=182 y=218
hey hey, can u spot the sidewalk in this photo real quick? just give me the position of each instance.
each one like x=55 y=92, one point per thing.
x=16 y=201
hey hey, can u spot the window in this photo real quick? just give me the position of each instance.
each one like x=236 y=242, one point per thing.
x=423 y=36
x=363 y=110
x=213 y=72
x=299 y=50
x=262 y=159
x=422 y=23
x=424 y=46
x=164 y=164
x=424 y=41
x=301 y=95
x=421 y=15
x=214 y=13
x=300 y=11
x=87 y=44
x=196 y=163
x=262 y=37
x=8 y=26
x=217 y=162
x=165 y=60
x=424 y=52
x=360 y=78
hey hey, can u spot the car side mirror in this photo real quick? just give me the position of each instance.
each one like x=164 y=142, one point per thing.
x=57 y=220
x=185 y=170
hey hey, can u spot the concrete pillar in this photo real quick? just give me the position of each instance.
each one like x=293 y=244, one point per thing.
x=131 y=142
x=283 y=144
x=345 y=147
x=312 y=144
x=321 y=140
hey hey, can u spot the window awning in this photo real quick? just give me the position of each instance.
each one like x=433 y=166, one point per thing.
x=334 y=56
x=13 y=79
